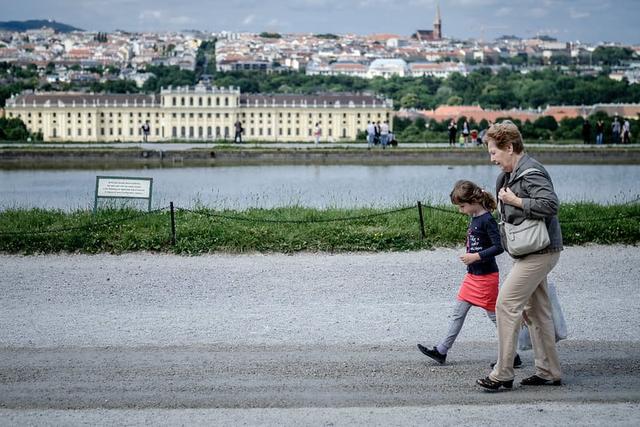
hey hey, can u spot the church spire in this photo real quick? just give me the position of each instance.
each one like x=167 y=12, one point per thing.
x=437 y=24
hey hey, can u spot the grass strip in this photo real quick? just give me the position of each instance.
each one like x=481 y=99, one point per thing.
x=283 y=230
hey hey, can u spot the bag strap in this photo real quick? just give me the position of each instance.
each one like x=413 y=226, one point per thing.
x=527 y=171
x=523 y=173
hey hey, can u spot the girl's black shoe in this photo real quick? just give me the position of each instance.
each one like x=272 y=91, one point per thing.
x=433 y=353
x=490 y=384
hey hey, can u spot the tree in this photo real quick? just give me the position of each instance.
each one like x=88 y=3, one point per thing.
x=401 y=123
x=13 y=129
x=606 y=55
x=546 y=122
x=454 y=100
x=267 y=35
x=410 y=100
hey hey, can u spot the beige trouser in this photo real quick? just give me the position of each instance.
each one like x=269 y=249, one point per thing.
x=525 y=290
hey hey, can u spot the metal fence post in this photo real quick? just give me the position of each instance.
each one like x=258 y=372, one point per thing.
x=173 y=224
x=422 y=232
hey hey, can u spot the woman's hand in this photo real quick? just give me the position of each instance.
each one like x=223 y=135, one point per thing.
x=509 y=197
x=470 y=258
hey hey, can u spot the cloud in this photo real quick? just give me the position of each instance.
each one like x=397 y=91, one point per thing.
x=578 y=14
x=503 y=11
x=164 y=17
x=538 y=12
x=146 y=15
x=181 y=20
x=248 y=20
x=372 y=3
x=317 y=3
x=473 y=3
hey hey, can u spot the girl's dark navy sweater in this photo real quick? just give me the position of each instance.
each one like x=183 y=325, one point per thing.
x=483 y=237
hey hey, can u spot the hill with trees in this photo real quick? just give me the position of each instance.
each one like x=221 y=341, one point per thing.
x=35 y=24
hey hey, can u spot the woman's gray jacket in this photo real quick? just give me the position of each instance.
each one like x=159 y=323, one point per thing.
x=539 y=199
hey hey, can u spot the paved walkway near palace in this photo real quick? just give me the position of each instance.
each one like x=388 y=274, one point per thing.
x=181 y=146
x=313 y=339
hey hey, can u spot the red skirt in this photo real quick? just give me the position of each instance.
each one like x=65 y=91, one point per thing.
x=480 y=290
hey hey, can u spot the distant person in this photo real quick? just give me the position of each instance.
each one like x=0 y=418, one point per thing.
x=317 y=133
x=465 y=132
x=377 y=133
x=479 y=287
x=392 y=140
x=586 y=131
x=239 y=130
x=599 y=132
x=615 y=131
x=453 y=130
x=384 y=134
x=626 y=132
x=146 y=129
x=371 y=134
x=474 y=137
x=483 y=132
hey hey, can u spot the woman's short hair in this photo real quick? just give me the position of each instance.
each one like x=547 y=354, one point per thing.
x=504 y=133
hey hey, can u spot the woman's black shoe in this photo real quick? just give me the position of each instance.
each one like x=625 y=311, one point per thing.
x=490 y=384
x=536 y=380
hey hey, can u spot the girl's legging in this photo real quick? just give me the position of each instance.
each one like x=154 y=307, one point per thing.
x=459 y=315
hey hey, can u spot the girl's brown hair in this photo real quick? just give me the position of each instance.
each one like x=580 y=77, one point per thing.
x=468 y=192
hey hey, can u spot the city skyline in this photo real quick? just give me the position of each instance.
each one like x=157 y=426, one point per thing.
x=589 y=21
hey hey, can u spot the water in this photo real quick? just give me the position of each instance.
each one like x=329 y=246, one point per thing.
x=318 y=186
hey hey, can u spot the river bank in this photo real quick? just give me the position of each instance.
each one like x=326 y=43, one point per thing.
x=41 y=156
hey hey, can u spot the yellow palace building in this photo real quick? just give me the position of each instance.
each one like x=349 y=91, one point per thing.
x=197 y=113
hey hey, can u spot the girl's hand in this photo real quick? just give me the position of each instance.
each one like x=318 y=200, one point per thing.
x=509 y=197
x=470 y=258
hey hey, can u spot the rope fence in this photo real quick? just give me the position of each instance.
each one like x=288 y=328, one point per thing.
x=421 y=207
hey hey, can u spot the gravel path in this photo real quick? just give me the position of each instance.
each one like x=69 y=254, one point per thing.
x=306 y=333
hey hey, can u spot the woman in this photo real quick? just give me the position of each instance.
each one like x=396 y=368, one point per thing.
x=524 y=196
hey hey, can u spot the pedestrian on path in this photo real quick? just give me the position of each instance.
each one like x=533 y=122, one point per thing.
x=525 y=191
x=479 y=287
x=317 y=133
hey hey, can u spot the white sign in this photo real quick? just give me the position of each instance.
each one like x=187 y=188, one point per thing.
x=124 y=187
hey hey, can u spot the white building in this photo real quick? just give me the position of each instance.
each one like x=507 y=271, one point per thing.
x=387 y=68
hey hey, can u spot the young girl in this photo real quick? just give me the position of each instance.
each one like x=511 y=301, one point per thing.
x=480 y=285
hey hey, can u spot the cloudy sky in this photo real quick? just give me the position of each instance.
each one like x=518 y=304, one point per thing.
x=569 y=20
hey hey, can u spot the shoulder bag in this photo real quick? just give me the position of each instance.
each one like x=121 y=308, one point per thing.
x=527 y=237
